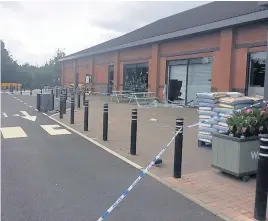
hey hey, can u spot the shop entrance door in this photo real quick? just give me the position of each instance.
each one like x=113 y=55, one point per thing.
x=110 y=79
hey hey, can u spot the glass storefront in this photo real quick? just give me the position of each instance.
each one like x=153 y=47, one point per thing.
x=136 y=77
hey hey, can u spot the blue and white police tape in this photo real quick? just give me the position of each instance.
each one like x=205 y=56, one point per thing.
x=142 y=174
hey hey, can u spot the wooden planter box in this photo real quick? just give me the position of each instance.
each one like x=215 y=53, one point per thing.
x=235 y=156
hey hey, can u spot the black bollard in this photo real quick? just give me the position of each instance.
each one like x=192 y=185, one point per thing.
x=84 y=97
x=86 y=116
x=105 y=122
x=64 y=101
x=61 y=106
x=57 y=92
x=31 y=91
x=178 y=148
x=38 y=102
x=133 y=136
x=72 y=109
x=41 y=91
x=78 y=99
x=262 y=180
x=21 y=90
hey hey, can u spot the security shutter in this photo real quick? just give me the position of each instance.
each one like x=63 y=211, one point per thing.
x=179 y=72
x=199 y=77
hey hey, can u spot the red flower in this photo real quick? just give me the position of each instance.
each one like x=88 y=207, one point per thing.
x=248 y=111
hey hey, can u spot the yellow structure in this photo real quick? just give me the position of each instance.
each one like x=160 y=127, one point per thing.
x=8 y=85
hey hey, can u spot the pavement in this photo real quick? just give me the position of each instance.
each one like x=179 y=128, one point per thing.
x=50 y=173
x=223 y=195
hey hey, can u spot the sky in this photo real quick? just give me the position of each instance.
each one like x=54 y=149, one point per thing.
x=34 y=30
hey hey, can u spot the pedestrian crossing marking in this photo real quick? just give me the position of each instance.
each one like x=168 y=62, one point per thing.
x=12 y=132
x=51 y=129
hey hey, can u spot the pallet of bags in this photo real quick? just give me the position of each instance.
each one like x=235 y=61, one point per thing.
x=226 y=108
x=206 y=102
x=208 y=118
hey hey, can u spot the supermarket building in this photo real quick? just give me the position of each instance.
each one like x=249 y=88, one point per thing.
x=219 y=46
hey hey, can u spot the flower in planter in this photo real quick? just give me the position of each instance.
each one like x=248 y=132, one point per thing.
x=249 y=122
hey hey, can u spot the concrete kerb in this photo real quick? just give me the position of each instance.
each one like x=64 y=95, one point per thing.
x=185 y=194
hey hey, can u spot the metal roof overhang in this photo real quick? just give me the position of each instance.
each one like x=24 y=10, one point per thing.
x=261 y=15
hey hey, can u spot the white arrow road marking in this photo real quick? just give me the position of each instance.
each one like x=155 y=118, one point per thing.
x=27 y=116
x=16 y=115
x=12 y=132
x=51 y=129
x=4 y=114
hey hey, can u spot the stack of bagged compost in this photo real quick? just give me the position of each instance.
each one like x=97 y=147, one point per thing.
x=206 y=103
x=211 y=121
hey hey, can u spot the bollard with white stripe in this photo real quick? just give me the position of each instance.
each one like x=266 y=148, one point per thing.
x=105 y=122
x=61 y=106
x=72 y=109
x=178 y=148
x=262 y=180
x=133 y=136
x=64 y=101
x=86 y=116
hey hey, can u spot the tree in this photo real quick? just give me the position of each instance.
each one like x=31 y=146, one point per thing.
x=28 y=75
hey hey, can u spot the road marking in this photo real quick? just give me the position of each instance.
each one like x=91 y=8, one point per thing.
x=12 y=132
x=28 y=116
x=21 y=101
x=4 y=114
x=45 y=114
x=36 y=109
x=25 y=103
x=51 y=129
x=16 y=115
x=30 y=106
x=100 y=145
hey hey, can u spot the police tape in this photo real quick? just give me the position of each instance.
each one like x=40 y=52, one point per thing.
x=142 y=174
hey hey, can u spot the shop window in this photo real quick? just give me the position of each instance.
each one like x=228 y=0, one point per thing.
x=257 y=69
x=136 y=77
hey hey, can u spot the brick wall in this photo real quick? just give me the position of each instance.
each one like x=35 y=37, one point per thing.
x=228 y=68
